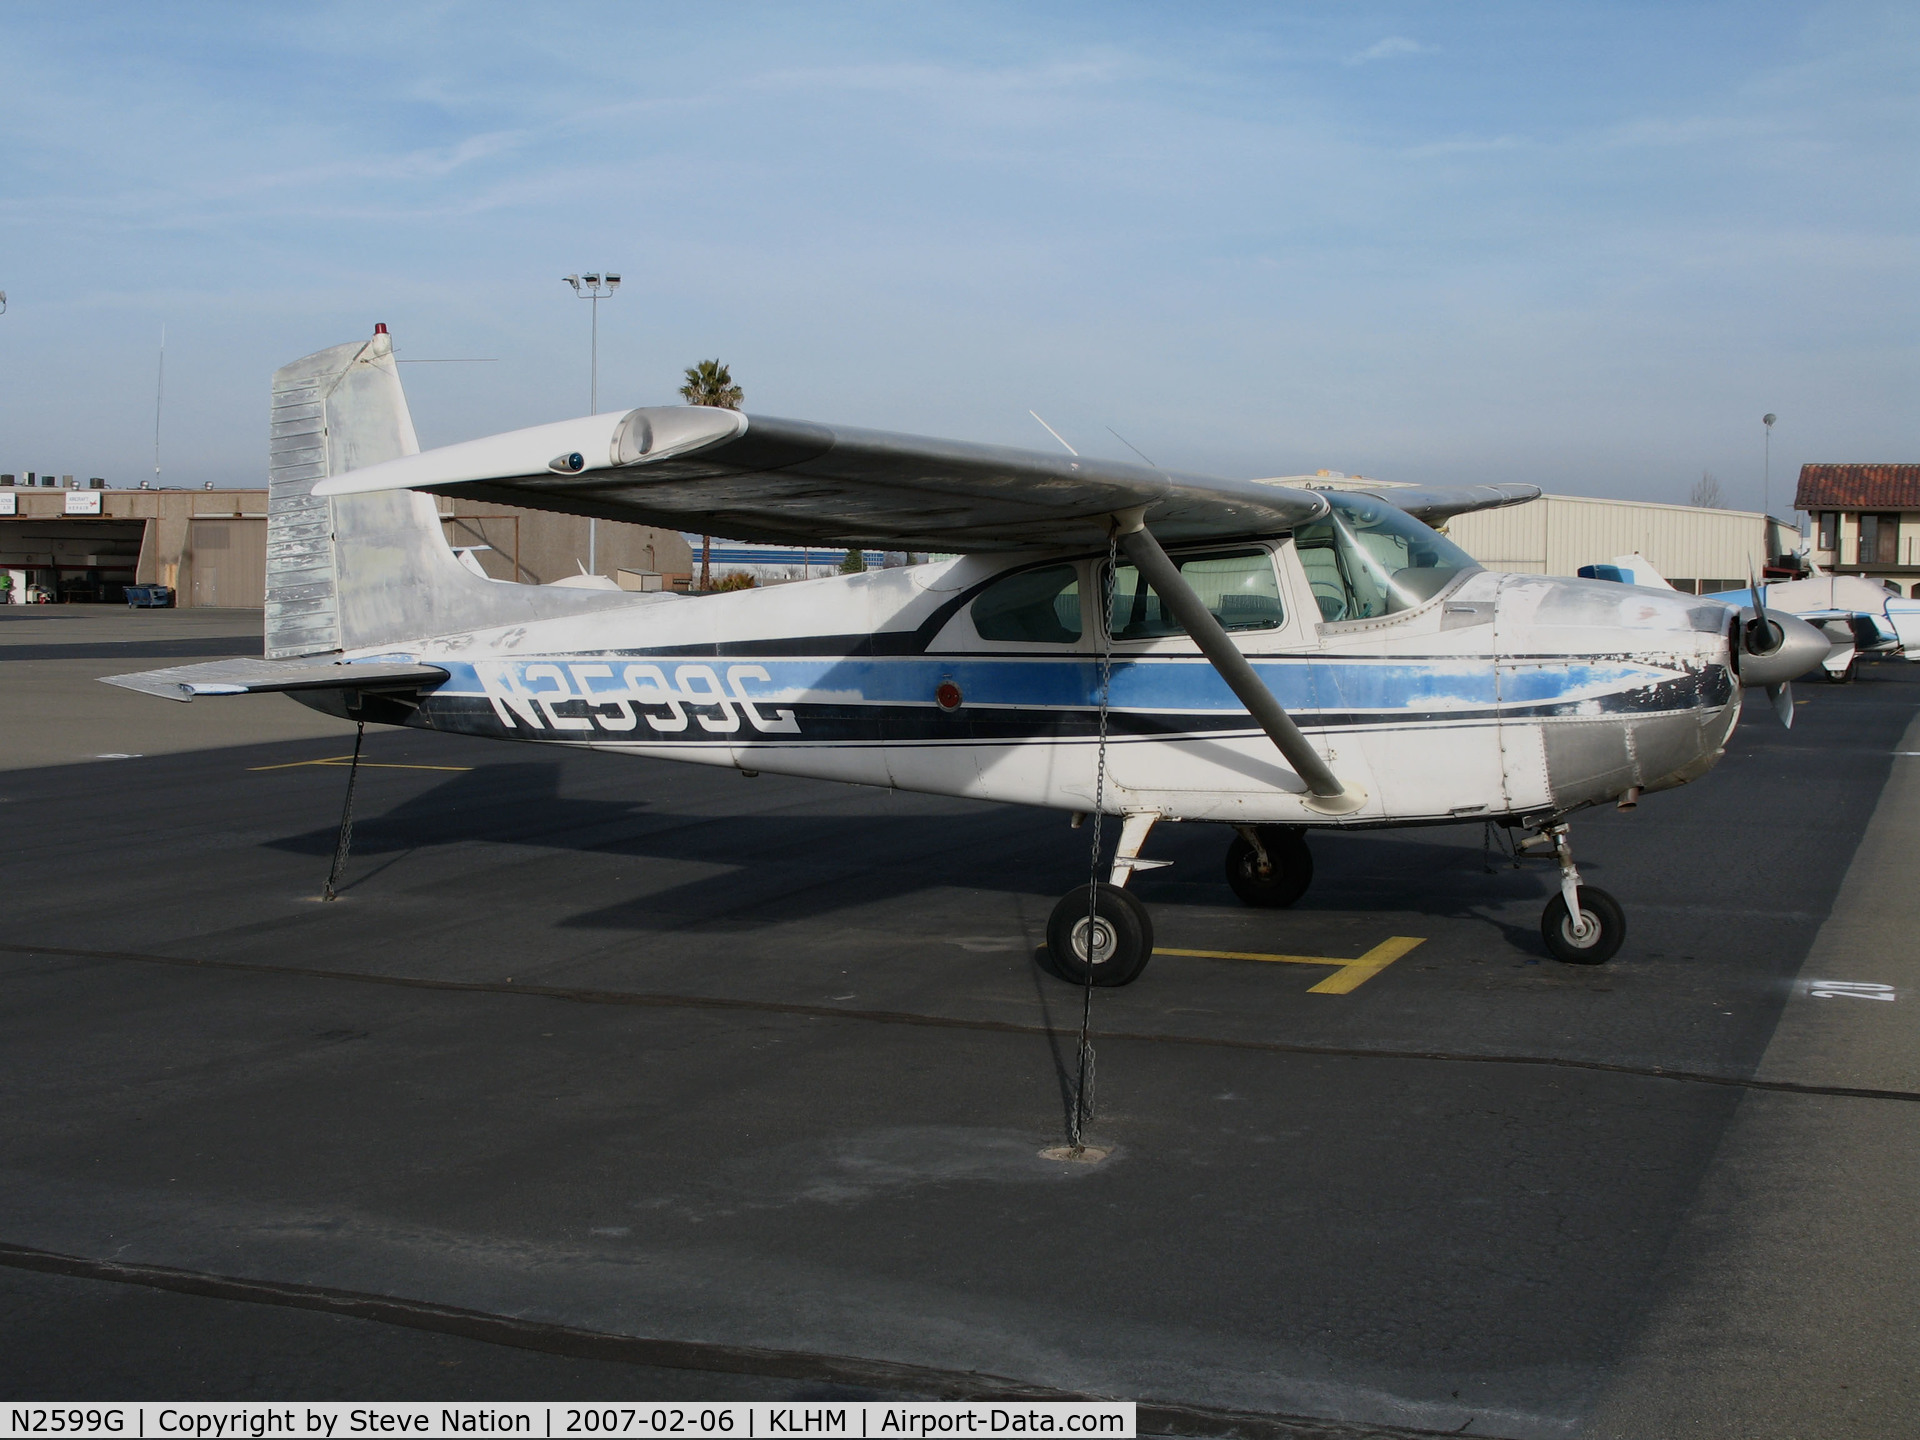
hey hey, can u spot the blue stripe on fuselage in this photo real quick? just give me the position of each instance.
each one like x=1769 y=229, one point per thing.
x=1161 y=684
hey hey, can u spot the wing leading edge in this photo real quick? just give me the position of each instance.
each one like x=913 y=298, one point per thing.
x=795 y=482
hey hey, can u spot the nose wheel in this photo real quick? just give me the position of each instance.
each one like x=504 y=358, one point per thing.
x=1594 y=938
x=1582 y=925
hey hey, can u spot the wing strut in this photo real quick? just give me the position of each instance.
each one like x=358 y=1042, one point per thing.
x=1326 y=793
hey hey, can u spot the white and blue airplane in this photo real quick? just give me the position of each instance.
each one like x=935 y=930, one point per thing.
x=1112 y=638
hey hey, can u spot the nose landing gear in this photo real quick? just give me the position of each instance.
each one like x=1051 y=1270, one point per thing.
x=1582 y=925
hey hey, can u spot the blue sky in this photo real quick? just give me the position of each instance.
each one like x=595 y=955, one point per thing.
x=1584 y=246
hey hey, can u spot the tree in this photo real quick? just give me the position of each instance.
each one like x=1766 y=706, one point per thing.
x=855 y=563
x=1706 y=492
x=735 y=580
x=710 y=383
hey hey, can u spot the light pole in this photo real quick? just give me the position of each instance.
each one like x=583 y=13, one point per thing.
x=1766 y=488
x=1766 y=482
x=594 y=288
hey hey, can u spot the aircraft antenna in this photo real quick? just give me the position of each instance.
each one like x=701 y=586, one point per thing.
x=1130 y=445
x=1055 y=433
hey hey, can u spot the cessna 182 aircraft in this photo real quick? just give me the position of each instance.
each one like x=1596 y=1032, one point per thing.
x=1113 y=637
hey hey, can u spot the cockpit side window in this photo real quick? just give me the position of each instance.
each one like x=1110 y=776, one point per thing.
x=1238 y=586
x=1038 y=607
x=1368 y=558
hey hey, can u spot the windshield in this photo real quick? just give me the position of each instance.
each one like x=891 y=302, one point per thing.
x=1369 y=558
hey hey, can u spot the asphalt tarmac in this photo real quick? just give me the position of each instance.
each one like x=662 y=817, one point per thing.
x=615 y=1078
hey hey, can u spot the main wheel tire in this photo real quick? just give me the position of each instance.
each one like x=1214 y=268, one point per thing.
x=1289 y=874
x=1604 y=927
x=1122 y=935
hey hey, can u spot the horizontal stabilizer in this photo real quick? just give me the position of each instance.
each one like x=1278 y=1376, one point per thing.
x=259 y=677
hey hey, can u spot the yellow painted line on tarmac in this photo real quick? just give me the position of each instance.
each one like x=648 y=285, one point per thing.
x=1349 y=975
x=348 y=760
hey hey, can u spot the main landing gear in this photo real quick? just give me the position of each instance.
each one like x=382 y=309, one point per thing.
x=1269 y=866
x=1099 y=934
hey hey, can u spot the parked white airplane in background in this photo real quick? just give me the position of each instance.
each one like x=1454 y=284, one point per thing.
x=1857 y=616
x=1256 y=654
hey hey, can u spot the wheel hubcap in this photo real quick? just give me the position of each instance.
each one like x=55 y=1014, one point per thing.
x=1103 y=942
x=1580 y=931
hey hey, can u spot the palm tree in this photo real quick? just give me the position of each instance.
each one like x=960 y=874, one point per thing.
x=710 y=383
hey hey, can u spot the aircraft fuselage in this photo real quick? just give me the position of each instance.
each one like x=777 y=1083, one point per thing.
x=1500 y=695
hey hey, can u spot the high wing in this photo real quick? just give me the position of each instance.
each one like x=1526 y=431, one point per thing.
x=1435 y=505
x=794 y=482
x=261 y=677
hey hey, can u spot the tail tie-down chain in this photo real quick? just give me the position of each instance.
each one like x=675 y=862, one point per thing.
x=344 y=846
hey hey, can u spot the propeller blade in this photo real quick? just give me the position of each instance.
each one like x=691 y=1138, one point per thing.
x=1782 y=697
x=1759 y=636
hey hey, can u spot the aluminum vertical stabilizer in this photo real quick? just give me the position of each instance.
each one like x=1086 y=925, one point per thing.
x=358 y=571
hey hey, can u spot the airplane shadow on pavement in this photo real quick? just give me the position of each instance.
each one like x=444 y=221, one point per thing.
x=803 y=862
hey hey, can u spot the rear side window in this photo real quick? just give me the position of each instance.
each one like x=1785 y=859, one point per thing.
x=1037 y=607
x=1238 y=587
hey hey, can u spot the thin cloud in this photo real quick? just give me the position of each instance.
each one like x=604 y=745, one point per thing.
x=1388 y=48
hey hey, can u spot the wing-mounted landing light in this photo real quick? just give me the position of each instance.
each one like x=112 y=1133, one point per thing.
x=1325 y=792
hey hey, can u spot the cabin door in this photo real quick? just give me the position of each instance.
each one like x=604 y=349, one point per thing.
x=1175 y=725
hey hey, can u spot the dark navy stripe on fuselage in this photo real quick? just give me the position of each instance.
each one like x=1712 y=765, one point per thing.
x=709 y=713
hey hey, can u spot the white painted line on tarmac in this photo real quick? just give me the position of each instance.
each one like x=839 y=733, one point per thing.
x=1848 y=990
